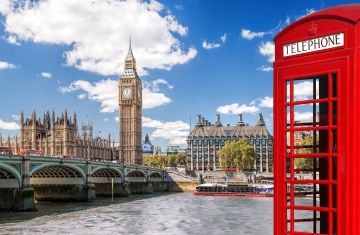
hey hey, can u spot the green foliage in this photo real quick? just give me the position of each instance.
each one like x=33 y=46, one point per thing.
x=238 y=154
x=160 y=161
x=305 y=163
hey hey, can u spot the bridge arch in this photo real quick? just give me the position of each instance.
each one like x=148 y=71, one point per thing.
x=136 y=175
x=8 y=173
x=155 y=174
x=105 y=171
x=52 y=173
x=105 y=174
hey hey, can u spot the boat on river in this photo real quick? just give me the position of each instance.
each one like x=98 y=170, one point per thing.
x=242 y=190
x=262 y=189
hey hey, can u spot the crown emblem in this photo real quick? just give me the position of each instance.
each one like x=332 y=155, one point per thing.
x=312 y=28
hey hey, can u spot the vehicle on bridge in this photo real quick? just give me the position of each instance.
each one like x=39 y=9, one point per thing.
x=31 y=152
x=5 y=151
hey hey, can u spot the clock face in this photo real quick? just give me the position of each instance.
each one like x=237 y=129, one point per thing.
x=126 y=92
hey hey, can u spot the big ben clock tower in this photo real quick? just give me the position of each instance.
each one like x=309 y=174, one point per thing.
x=130 y=104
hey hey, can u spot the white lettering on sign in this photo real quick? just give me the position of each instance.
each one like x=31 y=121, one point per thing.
x=315 y=44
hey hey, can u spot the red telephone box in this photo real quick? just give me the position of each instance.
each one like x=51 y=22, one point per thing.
x=317 y=124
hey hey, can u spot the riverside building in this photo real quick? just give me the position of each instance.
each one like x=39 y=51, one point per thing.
x=206 y=139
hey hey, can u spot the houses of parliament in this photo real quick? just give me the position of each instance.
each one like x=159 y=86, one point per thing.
x=60 y=136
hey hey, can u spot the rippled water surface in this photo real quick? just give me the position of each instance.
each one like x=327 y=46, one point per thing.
x=180 y=213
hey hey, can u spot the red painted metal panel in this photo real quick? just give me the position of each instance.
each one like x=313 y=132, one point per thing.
x=335 y=147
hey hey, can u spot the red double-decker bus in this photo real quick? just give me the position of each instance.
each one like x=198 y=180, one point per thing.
x=231 y=169
x=5 y=151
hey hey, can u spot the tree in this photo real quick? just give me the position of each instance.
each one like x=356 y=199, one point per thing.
x=182 y=159
x=154 y=161
x=305 y=163
x=159 y=161
x=171 y=160
x=238 y=154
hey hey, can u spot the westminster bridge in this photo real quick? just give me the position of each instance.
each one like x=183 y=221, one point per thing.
x=25 y=179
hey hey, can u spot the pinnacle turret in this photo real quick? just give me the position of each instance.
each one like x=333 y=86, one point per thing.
x=261 y=121
x=130 y=56
x=130 y=64
x=218 y=122
x=240 y=122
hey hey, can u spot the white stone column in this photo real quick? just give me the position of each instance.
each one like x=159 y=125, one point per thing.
x=261 y=156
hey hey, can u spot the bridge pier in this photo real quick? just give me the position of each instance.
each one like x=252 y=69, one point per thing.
x=141 y=188
x=90 y=192
x=104 y=190
x=78 y=193
x=160 y=186
x=24 y=200
x=90 y=186
x=24 y=197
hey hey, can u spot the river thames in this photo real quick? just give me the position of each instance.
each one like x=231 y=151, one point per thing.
x=180 y=213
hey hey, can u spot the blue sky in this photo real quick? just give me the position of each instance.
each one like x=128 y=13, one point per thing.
x=195 y=57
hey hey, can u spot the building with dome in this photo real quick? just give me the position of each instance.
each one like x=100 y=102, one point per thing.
x=206 y=139
x=147 y=147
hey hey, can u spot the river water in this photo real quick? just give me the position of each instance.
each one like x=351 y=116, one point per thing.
x=170 y=214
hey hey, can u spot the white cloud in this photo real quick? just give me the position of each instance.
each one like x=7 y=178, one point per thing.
x=106 y=93
x=175 y=132
x=266 y=102
x=307 y=12
x=174 y=26
x=223 y=38
x=287 y=21
x=16 y=117
x=267 y=49
x=5 y=6
x=97 y=35
x=301 y=116
x=106 y=119
x=210 y=45
x=153 y=99
x=46 y=75
x=303 y=90
x=265 y=68
x=6 y=65
x=81 y=96
x=237 y=109
x=154 y=85
x=249 y=35
x=9 y=125
x=13 y=40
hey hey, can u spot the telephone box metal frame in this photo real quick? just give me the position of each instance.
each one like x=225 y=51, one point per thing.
x=334 y=73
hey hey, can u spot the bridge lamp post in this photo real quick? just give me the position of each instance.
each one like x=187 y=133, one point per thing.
x=88 y=152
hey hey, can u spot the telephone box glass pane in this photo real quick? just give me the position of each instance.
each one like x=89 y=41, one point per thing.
x=311 y=154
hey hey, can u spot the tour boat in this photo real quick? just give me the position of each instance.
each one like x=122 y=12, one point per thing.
x=213 y=189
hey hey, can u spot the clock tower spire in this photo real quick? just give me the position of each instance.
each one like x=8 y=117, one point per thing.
x=130 y=105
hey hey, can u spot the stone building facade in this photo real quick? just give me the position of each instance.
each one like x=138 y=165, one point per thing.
x=206 y=139
x=59 y=136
